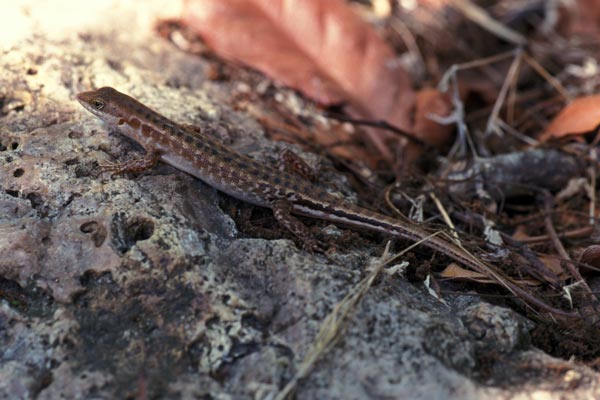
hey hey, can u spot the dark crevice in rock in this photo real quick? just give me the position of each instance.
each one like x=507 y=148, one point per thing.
x=128 y=231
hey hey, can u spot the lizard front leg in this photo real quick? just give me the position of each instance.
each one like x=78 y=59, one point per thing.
x=136 y=165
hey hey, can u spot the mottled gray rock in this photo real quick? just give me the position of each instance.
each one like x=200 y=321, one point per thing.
x=142 y=287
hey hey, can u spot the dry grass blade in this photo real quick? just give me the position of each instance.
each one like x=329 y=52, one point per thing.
x=334 y=323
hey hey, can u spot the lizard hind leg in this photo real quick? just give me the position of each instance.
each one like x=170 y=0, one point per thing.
x=282 y=211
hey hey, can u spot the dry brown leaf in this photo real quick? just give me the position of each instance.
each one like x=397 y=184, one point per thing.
x=582 y=17
x=432 y=102
x=579 y=117
x=320 y=47
x=520 y=233
x=591 y=256
x=455 y=271
x=553 y=264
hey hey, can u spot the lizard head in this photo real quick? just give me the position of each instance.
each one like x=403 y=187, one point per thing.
x=104 y=103
x=129 y=116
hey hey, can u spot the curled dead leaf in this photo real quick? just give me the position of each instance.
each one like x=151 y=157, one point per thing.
x=591 y=256
x=455 y=271
x=582 y=17
x=579 y=117
x=431 y=103
x=553 y=264
x=320 y=47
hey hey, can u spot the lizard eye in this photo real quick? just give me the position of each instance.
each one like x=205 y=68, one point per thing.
x=97 y=104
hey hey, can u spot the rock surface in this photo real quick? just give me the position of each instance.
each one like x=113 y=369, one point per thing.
x=142 y=287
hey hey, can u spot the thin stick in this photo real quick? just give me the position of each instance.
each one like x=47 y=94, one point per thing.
x=483 y=19
x=563 y=253
x=517 y=134
x=592 y=190
x=552 y=80
x=572 y=234
x=379 y=124
x=510 y=76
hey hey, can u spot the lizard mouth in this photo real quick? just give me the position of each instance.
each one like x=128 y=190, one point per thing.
x=84 y=96
x=88 y=100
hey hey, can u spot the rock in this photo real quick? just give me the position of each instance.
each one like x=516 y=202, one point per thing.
x=142 y=287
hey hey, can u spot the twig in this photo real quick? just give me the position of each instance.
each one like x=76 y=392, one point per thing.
x=517 y=134
x=482 y=18
x=378 y=125
x=482 y=62
x=458 y=115
x=512 y=98
x=547 y=200
x=592 y=189
x=572 y=234
x=387 y=195
x=510 y=77
x=552 y=80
